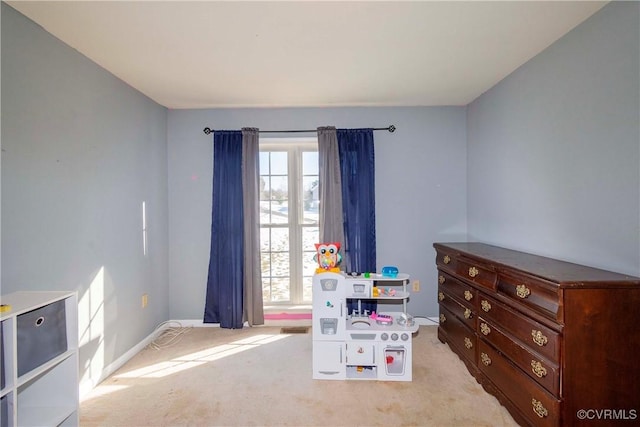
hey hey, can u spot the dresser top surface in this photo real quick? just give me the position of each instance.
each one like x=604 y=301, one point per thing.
x=554 y=270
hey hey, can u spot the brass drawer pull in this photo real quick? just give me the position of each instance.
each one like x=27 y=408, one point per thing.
x=443 y=318
x=468 y=343
x=467 y=313
x=485 y=359
x=538 y=338
x=441 y=279
x=485 y=305
x=522 y=291
x=537 y=368
x=440 y=296
x=473 y=272
x=540 y=410
x=485 y=329
x=447 y=259
x=468 y=295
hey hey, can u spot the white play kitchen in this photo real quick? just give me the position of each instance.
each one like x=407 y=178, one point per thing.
x=360 y=345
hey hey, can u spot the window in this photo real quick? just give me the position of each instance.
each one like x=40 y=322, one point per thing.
x=289 y=213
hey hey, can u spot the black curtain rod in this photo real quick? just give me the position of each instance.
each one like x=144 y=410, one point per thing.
x=208 y=130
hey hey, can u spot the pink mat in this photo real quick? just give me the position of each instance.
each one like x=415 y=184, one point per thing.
x=287 y=316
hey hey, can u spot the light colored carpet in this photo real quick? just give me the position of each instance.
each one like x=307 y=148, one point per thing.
x=260 y=377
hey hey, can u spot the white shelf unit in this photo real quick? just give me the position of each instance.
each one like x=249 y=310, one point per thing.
x=45 y=394
x=354 y=346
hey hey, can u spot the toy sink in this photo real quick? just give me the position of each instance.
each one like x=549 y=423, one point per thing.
x=361 y=323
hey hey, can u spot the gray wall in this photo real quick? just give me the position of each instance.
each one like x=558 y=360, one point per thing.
x=554 y=149
x=547 y=161
x=420 y=188
x=81 y=152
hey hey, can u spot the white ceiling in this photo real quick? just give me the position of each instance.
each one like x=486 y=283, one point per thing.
x=208 y=54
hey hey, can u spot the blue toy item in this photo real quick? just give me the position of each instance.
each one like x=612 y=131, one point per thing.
x=390 y=271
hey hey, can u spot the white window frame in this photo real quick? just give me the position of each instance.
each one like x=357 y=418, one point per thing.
x=295 y=145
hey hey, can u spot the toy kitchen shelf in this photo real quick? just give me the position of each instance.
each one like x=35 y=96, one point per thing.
x=365 y=288
x=360 y=345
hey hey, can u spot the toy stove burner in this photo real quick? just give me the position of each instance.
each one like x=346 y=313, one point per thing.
x=402 y=336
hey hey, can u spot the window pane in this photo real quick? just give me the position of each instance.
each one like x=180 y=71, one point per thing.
x=280 y=264
x=280 y=290
x=309 y=265
x=265 y=240
x=311 y=199
x=265 y=264
x=279 y=200
x=273 y=213
x=279 y=239
x=265 y=213
x=310 y=163
x=310 y=188
x=310 y=236
x=264 y=188
x=279 y=214
x=278 y=163
x=274 y=188
x=275 y=290
x=264 y=162
x=278 y=187
x=266 y=288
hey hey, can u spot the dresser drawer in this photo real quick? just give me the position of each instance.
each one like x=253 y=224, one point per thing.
x=545 y=373
x=462 y=291
x=476 y=272
x=531 y=292
x=535 y=403
x=446 y=260
x=459 y=335
x=534 y=335
x=464 y=313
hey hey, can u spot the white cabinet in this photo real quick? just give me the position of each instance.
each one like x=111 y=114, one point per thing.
x=360 y=345
x=39 y=359
x=328 y=360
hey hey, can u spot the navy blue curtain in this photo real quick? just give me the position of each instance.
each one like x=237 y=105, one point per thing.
x=224 y=302
x=357 y=167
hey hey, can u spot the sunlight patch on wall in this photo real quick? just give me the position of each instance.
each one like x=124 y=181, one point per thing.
x=144 y=228
x=91 y=332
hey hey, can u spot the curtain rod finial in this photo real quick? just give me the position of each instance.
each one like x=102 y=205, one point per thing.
x=207 y=131
x=392 y=128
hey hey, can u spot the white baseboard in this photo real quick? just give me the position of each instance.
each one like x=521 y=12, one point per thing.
x=89 y=384
x=427 y=321
x=196 y=323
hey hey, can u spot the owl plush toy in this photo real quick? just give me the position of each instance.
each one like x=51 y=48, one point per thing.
x=328 y=257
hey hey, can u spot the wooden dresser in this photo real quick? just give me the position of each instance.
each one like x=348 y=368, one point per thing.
x=557 y=343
